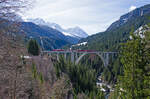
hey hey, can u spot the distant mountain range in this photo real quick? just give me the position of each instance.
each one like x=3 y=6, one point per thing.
x=52 y=35
x=76 y=32
x=119 y=31
x=51 y=38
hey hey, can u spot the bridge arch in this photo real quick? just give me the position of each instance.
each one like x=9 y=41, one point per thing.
x=80 y=57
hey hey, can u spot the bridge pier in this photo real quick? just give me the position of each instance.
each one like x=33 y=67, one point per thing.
x=77 y=56
x=65 y=56
x=57 y=56
x=107 y=59
x=72 y=57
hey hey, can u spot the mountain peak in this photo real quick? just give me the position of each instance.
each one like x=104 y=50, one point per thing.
x=77 y=27
x=76 y=32
x=37 y=21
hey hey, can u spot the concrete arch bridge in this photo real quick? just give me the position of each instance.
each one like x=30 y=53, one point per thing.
x=77 y=55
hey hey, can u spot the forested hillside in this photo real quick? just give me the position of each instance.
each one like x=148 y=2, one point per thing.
x=119 y=31
x=28 y=73
x=113 y=37
x=51 y=38
x=134 y=82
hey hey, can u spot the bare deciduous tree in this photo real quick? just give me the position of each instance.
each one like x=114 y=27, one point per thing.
x=10 y=11
x=10 y=8
x=12 y=81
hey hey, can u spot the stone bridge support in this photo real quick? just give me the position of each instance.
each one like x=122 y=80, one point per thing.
x=77 y=56
x=57 y=56
x=105 y=61
x=72 y=57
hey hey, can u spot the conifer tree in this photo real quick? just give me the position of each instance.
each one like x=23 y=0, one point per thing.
x=33 y=47
x=134 y=84
x=41 y=78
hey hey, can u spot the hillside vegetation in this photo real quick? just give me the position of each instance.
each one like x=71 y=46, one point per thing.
x=119 y=31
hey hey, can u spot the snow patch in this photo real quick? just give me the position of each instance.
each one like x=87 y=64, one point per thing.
x=67 y=34
x=125 y=20
x=80 y=44
x=26 y=57
x=132 y=8
x=140 y=31
x=53 y=27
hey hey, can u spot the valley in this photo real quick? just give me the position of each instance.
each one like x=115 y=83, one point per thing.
x=43 y=60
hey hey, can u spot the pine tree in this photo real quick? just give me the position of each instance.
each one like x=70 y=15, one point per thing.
x=41 y=78
x=34 y=71
x=134 y=84
x=33 y=47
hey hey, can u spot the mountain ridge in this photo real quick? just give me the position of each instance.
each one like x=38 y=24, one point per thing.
x=76 y=32
x=119 y=31
x=129 y=16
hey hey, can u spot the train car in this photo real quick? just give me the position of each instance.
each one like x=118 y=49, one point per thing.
x=85 y=51
x=58 y=50
x=91 y=51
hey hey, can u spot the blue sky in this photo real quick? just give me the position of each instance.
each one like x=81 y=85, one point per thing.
x=91 y=15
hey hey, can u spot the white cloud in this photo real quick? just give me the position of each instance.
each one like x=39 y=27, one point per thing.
x=91 y=15
x=132 y=8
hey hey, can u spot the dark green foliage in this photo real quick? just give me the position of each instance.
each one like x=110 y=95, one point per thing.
x=36 y=75
x=93 y=62
x=78 y=74
x=100 y=95
x=34 y=71
x=135 y=75
x=135 y=82
x=33 y=47
x=82 y=77
x=41 y=78
x=60 y=67
x=109 y=73
x=110 y=41
x=96 y=95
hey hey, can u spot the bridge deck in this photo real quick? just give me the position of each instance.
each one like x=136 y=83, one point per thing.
x=78 y=52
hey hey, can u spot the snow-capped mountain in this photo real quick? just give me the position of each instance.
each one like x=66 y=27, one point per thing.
x=76 y=32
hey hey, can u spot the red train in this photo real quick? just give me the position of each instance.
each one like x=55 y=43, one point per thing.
x=85 y=50
x=58 y=50
x=74 y=50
